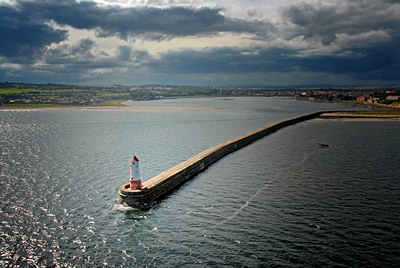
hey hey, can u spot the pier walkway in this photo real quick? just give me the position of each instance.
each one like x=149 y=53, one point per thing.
x=167 y=181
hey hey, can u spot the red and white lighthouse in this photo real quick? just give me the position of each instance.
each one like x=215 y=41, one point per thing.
x=134 y=176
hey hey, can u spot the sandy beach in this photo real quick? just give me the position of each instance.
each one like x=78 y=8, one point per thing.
x=356 y=116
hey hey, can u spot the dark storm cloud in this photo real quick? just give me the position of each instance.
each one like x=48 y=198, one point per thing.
x=360 y=39
x=24 y=38
x=84 y=46
x=66 y=54
x=82 y=58
x=78 y=64
x=377 y=65
x=324 y=22
x=145 y=21
x=224 y=60
x=25 y=26
x=368 y=32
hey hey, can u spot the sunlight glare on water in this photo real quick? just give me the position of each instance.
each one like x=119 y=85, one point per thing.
x=281 y=201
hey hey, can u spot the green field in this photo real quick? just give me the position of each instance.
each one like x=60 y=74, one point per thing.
x=113 y=103
x=33 y=105
x=15 y=91
x=113 y=95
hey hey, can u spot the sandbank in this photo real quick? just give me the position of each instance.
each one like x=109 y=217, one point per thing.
x=358 y=116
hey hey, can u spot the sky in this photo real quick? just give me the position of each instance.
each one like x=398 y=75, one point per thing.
x=217 y=43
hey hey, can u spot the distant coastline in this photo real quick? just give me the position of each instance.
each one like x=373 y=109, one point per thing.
x=379 y=114
x=23 y=95
x=122 y=106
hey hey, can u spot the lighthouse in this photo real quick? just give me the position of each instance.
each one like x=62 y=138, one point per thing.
x=134 y=174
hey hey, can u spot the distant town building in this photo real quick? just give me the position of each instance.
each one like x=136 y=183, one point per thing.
x=372 y=100
x=393 y=98
x=363 y=98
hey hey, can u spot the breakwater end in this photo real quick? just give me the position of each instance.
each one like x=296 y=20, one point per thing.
x=169 y=180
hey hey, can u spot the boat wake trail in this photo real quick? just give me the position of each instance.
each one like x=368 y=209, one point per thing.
x=298 y=164
x=122 y=208
x=246 y=204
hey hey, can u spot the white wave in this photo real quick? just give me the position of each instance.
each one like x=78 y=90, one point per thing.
x=122 y=208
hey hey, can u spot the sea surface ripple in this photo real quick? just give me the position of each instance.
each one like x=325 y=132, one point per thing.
x=280 y=202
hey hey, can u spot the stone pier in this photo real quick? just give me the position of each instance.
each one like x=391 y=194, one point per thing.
x=169 y=180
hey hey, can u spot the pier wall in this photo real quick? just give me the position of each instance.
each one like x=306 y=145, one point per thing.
x=167 y=181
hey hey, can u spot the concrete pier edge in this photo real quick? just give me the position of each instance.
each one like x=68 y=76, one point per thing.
x=169 y=180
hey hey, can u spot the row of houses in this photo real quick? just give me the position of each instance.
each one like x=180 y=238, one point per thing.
x=388 y=97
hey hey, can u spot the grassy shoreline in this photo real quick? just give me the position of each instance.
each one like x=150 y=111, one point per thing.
x=108 y=105
x=111 y=103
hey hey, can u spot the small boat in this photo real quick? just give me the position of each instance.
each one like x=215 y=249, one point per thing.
x=322 y=145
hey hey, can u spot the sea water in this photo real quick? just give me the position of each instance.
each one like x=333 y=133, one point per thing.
x=280 y=202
